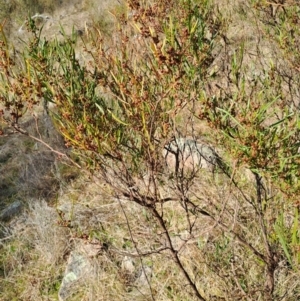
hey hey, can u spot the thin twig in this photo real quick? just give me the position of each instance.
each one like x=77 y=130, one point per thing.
x=238 y=283
x=136 y=248
x=23 y=132
x=175 y=254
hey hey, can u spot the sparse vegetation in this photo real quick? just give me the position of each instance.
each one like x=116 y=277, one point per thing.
x=226 y=228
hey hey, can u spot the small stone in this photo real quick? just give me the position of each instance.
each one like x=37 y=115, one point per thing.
x=144 y=277
x=78 y=266
x=128 y=265
x=10 y=211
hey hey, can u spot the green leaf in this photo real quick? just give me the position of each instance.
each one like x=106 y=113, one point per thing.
x=280 y=232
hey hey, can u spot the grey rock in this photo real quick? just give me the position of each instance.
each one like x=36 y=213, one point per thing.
x=144 y=277
x=10 y=211
x=183 y=153
x=139 y=275
x=78 y=268
x=128 y=265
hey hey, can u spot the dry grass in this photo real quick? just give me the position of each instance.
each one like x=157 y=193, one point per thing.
x=34 y=256
x=31 y=261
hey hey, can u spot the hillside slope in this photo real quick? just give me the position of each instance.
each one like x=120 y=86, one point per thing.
x=178 y=174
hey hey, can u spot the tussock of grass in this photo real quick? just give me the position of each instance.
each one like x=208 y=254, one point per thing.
x=32 y=254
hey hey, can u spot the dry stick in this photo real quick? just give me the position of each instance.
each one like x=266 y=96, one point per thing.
x=138 y=254
x=135 y=246
x=175 y=254
x=46 y=144
x=238 y=283
x=150 y=204
x=235 y=235
x=269 y=259
x=36 y=125
x=271 y=262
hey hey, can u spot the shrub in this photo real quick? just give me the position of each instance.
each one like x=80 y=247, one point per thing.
x=157 y=80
